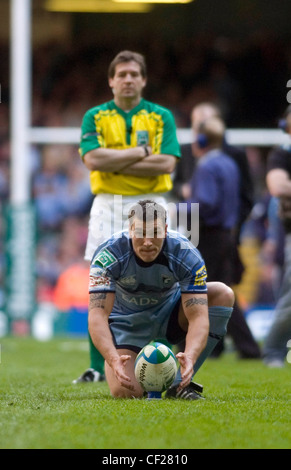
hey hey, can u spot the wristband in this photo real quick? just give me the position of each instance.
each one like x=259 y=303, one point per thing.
x=146 y=150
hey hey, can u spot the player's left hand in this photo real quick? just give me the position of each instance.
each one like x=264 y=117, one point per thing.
x=186 y=366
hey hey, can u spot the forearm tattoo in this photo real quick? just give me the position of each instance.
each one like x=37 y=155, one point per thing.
x=97 y=301
x=195 y=301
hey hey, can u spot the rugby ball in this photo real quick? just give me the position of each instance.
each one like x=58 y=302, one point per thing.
x=155 y=367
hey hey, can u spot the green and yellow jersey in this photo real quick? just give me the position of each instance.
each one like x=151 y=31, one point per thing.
x=108 y=126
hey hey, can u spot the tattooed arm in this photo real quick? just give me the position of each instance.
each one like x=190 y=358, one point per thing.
x=100 y=307
x=195 y=308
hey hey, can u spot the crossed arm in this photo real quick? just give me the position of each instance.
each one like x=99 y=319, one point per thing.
x=132 y=161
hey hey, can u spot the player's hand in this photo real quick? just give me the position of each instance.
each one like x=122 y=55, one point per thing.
x=149 y=150
x=145 y=150
x=186 y=366
x=118 y=367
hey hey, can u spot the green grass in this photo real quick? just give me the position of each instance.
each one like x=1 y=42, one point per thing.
x=247 y=405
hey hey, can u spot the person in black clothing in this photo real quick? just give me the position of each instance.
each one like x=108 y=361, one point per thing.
x=215 y=187
x=238 y=329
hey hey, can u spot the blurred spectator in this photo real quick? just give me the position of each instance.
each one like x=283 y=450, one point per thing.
x=47 y=187
x=76 y=196
x=271 y=255
x=227 y=266
x=71 y=289
x=57 y=251
x=60 y=187
x=215 y=186
x=200 y=113
x=279 y=185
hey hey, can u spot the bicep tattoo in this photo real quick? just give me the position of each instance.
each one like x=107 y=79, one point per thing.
x=195 y=301
x=97 y=301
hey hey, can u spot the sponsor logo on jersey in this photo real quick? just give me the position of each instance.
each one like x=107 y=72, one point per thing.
x=128 y=281
x=200 y=276
x=167 y=280
x=141 y=301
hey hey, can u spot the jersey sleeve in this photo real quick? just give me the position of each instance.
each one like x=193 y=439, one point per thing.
x=170 y=144
x=186 y=263
x=90 y=137
x=101 y=277
x=194 y=280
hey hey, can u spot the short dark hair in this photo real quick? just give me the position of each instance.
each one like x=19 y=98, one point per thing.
x=147 y=211
x=128 y=56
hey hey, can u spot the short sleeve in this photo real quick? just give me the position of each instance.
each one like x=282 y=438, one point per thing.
x=89 y=134
x=170 y=144
x=101 y=278
x=194 y=279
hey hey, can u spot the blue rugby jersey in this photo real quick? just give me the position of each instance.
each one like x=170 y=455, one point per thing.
x=140 y=286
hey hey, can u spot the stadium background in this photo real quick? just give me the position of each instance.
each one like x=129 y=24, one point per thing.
x=238 y=53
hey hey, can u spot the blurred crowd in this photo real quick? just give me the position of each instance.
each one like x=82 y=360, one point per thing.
x=247 y=79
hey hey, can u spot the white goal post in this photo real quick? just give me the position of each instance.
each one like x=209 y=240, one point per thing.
x=242 y=137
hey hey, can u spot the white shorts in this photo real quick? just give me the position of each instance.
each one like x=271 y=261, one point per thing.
x=109 y=214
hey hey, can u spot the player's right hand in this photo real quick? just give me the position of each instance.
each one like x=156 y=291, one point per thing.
x=118 y=367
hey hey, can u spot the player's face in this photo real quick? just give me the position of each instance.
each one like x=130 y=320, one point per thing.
x=147 y=239
x=128 y=81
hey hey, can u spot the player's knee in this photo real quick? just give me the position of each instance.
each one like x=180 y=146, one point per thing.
x=228 y=296
x=122 y=392
x=221 y=294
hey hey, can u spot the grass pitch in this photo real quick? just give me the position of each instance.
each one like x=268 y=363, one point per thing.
x=247 y=405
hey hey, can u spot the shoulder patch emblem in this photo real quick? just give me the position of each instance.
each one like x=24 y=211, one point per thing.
x=105 y=258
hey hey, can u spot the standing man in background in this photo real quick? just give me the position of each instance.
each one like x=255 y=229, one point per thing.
x=187 y=163
x=201 y=113
x=130 y=147
x=215 y=186
x=279 y=185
